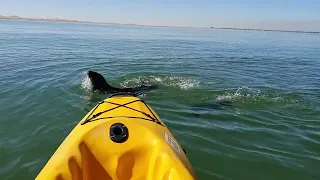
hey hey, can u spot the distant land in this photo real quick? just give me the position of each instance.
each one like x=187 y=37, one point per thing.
x=75 y=21
x=112 y=23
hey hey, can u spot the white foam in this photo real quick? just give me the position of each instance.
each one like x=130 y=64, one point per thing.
x=228 y=97
x=157 y=79
x=172 y=81
x=242 y=92
x=86 y=83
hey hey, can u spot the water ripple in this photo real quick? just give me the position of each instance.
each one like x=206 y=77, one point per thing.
x=245 y=105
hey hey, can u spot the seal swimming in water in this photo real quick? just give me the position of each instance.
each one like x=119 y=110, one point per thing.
x=100 y=84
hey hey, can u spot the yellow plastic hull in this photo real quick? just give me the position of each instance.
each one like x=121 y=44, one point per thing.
x=148 y=150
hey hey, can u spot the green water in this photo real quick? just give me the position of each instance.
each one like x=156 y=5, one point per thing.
x=271 y=131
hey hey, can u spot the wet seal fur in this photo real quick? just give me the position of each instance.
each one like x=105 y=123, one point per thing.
x=101 y=85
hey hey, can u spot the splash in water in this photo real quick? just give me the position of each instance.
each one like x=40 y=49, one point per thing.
x=248 y=94
x=86 y=83
x=241 y=92
x=183 y=83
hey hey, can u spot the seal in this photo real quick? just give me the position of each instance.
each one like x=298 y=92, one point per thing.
x=100 y=84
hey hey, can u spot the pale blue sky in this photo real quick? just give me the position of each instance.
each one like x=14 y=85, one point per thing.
x=273 y=14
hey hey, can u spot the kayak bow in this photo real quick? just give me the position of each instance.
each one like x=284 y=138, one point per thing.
x=120 y=138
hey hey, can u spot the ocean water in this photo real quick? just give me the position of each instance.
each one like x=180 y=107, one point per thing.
x=271 y=130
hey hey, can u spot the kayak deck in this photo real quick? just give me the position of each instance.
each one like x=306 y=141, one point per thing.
x=120 y=138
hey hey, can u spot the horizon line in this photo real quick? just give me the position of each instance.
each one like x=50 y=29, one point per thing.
x=14 y=17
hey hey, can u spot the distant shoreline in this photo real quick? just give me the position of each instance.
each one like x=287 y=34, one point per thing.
x=79 y=21
x=111 y=23
x=272 y=30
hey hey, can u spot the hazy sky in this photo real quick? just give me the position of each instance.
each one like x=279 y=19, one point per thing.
x=268 y=14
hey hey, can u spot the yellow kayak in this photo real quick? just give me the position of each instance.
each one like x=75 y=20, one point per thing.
x=121 y=138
